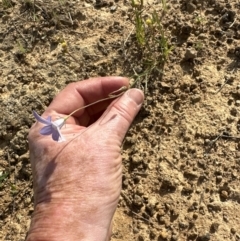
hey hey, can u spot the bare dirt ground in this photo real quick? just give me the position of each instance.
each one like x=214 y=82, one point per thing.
x=181 y=157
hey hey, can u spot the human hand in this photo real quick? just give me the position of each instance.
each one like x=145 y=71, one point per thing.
x=77 y=183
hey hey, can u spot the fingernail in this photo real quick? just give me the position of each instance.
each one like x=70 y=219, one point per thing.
x=136 y=95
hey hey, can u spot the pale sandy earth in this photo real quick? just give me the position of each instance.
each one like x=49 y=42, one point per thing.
x=181 y=156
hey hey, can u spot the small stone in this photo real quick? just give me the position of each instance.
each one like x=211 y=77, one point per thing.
x=233 y=230
x=190 y=174
x=140 y=190
x=183 y=225
x=224 y=194
x=150 y=209
x=168 y=185
x=113 y=8
x=203 y=36
x=237 y=103
x=161 y=219
x=163 y=234
x=136 y=179
x=190 y=54
x=215 y=206
x=214 y=227
x=225 y=218
x=125 y=183
x=51 y=74
x=196 y=98
x=161 y=213
x=136 y=159
x=135 y=230
x=219 y=178
x=137 y=201
x=165 y=85
x=204 y=237
x=27 y=201
x=234 y=175
x=191 y=7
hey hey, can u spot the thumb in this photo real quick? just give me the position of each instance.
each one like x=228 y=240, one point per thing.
x=118 y=117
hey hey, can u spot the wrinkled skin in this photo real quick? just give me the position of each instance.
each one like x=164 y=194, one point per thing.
x=77 y=183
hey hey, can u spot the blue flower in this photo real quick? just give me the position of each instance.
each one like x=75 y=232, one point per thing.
x=51 y=127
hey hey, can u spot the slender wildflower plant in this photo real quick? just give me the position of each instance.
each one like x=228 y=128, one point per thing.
x=54 y=127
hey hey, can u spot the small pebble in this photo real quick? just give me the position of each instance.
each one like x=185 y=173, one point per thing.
x=190 y=54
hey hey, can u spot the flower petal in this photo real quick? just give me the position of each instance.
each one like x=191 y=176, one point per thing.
x=61 y=138
x=55 y=135
x=58 y=123
x=40 y=119
x=46 y=130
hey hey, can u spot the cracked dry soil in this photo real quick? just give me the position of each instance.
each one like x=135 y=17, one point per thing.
x=181 y=157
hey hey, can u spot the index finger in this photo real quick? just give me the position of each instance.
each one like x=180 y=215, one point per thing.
x=79 y=94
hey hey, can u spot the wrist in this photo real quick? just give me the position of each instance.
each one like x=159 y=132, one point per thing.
x=58 y=222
